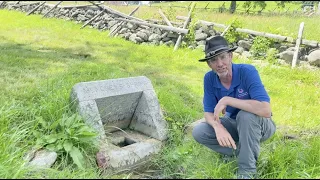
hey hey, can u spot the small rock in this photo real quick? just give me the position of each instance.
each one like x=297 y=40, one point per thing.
x=43 y=159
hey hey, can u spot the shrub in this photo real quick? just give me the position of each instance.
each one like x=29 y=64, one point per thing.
x=271 y=55
x=65 y=135
x=232 y=35
x=260 y=46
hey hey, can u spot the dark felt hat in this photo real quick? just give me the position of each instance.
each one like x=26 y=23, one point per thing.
x=215 y=46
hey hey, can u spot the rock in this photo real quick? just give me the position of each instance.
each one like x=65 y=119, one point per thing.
x=244 y=44
x=127 y=35
x=132 y=26
x=123 y=30
x=102 y=160
x=239 y=50
x=155 y=42
x=287 y=56
x=314 y=58
x=191 y=47
x=157 y=31
x=169 y=43
x=154 y=37
x=111 y=23
x=212 y=32
x=166 y=39
x=143 y=36
x=282 y=48
x=282 y=62
x=43 y=159
x=173 y=35
x=246 y=54
x=202 y=36
x=202 y=42
x=164 y=35
x=134 y=38
x=199 y=31
x=202 y=47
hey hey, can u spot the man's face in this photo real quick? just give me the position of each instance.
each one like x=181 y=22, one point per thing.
x=221 y=64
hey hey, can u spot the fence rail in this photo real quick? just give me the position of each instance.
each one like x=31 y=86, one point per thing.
x=296 y=12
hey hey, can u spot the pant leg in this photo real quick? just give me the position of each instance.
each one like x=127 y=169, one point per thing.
x=204 y=134
x=252 y=130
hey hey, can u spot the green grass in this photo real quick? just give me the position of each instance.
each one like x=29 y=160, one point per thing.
x=41 y=60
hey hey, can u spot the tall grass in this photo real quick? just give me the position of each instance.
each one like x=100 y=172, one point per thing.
x=41 y=59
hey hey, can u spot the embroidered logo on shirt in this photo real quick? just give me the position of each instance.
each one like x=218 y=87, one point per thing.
x=240 y=90
x=241 y=93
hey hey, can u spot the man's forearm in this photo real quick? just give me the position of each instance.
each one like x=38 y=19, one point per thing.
x=256 y=107
x=210 y=120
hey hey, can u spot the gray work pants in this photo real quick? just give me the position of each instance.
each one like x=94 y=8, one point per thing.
x=247 y=130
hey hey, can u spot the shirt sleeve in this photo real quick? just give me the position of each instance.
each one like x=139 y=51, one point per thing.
x=209 y=98
x=255 y=87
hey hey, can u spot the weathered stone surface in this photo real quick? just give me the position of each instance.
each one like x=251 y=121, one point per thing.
x=143 y=36
x=132 y=26
x=154 y=37
x=239 y=50
x=43 y=159
x=244 y=44
x=201 y=36
x=116 y=101
x=314 y=58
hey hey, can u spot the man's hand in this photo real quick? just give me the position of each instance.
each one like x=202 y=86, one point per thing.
x=220 y=108
x=224 y=138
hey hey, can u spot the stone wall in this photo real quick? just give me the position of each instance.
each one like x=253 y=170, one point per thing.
x=141 y=34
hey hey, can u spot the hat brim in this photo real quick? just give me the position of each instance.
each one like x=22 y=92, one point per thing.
x=226 y=50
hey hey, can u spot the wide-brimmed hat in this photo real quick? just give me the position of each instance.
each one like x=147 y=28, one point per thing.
x=215 y=46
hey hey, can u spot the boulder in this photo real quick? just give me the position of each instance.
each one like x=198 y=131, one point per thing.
x=314 y=58
x=143 y=36
x=154 y=37
x=246 y=45
x=201 y=36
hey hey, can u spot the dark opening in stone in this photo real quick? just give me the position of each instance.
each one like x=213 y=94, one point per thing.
x=125 y=142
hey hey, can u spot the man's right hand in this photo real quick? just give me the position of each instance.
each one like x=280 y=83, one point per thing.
x=224 y=138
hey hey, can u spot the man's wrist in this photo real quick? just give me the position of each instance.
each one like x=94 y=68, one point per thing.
x=216 y=124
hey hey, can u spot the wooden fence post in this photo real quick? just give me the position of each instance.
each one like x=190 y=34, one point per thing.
x=118 y=26
x=176 y=46
x=206 y=5
x=165 y=18
x=102 y=11
x=295 y=55
x=34 y=9
x=225 y=31
x=52 y=9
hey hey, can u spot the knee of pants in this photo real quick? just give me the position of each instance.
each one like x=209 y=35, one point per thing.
x=245 y=117
x=198 y=131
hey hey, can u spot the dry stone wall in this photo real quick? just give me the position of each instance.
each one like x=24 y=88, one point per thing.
x=142 y=34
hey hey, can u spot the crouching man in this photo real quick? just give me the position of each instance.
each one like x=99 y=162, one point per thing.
x=236 y=91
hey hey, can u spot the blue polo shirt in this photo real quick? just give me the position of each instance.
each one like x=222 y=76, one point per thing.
x=246 y=84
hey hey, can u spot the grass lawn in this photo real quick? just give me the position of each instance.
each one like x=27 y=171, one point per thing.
x=41 y=60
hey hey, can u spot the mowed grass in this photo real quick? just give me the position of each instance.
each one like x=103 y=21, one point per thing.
x=42 y=59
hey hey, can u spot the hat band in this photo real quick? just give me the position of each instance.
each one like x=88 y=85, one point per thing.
x=212 y=53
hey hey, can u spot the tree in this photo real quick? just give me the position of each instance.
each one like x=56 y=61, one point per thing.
x=233 y=7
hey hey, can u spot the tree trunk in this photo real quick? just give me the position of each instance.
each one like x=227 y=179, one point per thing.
x=233 y=7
